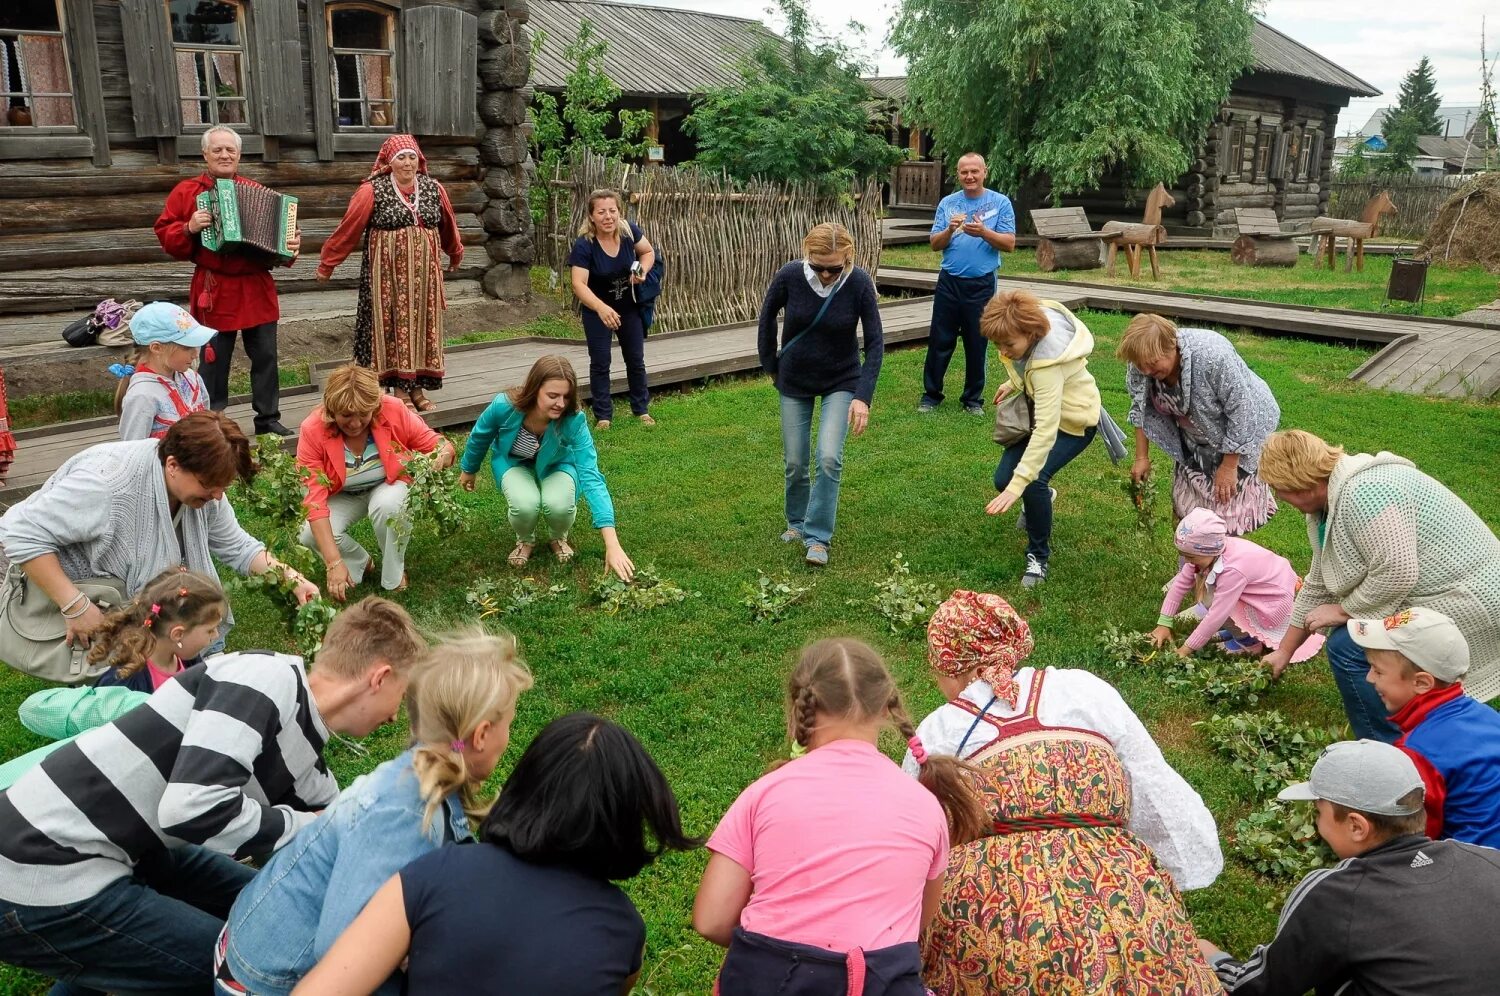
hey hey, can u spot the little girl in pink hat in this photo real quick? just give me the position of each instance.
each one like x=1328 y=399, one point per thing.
x=1244 y=585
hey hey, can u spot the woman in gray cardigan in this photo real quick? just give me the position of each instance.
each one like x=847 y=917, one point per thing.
x=1194 y=397
x=131 y=510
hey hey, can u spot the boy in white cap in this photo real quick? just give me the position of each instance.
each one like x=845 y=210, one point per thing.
x=1399 y=915
x=1418 y=659
x=162 y=387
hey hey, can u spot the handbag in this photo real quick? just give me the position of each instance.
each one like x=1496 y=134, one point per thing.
x=1013 y=418
x=32 y=630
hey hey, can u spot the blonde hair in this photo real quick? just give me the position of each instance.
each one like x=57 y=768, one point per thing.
x=847 y=679
x=587 y=228
x=828 y=238
x=470 y=677
x=1014 y=312
x=351 y=390
x=1295 y=460
x=372 y=630
x=1148 y=337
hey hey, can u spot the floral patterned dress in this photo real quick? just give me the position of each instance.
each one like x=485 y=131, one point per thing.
x=1253 y=503
x=1060 y=898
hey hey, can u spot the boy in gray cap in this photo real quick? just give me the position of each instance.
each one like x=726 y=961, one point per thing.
x=1418 y=659
x=1399 y=915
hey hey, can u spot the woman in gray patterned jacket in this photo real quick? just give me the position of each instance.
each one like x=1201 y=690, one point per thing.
x=1194 y=397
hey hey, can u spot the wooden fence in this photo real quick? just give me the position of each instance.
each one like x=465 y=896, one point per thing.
x=722 y=240
x=1418 y=201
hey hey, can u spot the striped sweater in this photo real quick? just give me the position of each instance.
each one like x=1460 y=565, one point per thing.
x=227 y=755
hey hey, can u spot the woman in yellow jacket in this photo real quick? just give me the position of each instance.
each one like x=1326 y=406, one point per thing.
x=1045 y=350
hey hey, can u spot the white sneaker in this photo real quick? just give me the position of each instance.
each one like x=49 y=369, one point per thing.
x=1021 y=519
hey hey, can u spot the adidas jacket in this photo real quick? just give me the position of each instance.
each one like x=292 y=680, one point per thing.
x=1412 y=917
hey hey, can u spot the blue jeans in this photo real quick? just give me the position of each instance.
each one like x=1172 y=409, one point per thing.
x=956 y=306
x=1036 y=499
x=632 y=336
x=1368 y=716
x=153 y=932
x=813 y=516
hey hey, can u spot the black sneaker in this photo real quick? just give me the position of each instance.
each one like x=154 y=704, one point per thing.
x=274 y=428
x=1036 y=572
x=926 y=407
x=974 y=409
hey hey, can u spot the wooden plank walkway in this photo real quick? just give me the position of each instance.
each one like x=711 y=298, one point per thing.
x=910 y=232
x=476 y=373
x=1418 y=356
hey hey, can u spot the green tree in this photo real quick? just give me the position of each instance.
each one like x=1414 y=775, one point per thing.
x=1356 y=165
x=1400 y=133
x=800 y=112
x=1071 y=88
x=1418 y=101
x=584 y=117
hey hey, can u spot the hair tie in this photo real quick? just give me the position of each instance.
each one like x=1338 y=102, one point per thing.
x=182 y=593
x=797 y=750
x=121 y=370
x=457 y=746
x=918 y=752
x=152 y=615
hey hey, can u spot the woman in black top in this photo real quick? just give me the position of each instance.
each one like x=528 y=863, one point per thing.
x=532 y=908
x=610 y=258
x=823 y=298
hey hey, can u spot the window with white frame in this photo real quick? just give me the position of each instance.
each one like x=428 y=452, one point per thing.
x=362 y=37
x=208 y=41
x=36 y=88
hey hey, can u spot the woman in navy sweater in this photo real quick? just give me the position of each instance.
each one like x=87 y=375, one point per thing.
x=823 y=298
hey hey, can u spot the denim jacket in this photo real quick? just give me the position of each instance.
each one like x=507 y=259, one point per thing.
x=301 y=901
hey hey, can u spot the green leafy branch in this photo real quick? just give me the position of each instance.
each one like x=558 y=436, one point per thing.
x=647 y=591
x=489 y=597
x=307 y=623
x=899 y=599
x=769 y=599
x=432 y=496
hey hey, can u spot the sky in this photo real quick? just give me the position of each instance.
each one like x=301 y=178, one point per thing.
x=1379 y=49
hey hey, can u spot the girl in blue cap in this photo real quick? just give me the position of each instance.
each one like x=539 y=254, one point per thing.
x=162 y=387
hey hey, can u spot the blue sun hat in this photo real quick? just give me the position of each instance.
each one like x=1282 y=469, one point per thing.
x=162 y=321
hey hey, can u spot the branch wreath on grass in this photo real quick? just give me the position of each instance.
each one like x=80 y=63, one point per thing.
x=649 y=590
x=769 y=599
x=1226 y=681
x=489 y=597
x=900 y=600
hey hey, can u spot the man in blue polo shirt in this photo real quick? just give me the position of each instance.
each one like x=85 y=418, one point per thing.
x=973 y=225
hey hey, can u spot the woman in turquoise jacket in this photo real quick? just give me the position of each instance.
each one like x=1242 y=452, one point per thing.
x=543 y=455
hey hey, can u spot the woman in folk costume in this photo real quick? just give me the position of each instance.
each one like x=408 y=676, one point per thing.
x=402 y=216
x=1072 y=889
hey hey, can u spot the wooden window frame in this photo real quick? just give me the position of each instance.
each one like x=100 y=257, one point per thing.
x=1265 y=151
x=89 y=137
x=72 y=95
x=1234 y=151
x=392 y=15
x=246 y=57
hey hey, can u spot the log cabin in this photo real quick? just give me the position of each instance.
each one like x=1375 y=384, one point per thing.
x=105 y=103
x=1269 y=146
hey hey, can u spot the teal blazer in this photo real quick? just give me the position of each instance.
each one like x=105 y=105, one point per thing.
x=567 y=446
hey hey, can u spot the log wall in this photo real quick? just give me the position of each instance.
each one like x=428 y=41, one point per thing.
x=61 y=214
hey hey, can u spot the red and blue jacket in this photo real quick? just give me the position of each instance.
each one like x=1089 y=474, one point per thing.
x=1455 y=743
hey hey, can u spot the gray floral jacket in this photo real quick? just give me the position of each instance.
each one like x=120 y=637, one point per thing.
x=1226 y=400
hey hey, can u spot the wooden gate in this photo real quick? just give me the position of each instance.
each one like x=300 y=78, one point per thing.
x=917 y=184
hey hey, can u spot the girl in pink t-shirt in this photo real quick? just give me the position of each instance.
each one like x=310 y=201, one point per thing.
x=826 y=869
x=171 y=621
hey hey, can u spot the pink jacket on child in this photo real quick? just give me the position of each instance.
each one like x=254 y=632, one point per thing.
x=1249 y=585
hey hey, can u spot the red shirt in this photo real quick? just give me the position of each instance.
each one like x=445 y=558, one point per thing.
x=230 y=290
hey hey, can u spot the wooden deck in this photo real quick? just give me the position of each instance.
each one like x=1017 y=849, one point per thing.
x=1432 y=356
x=476 y=373
x=911 y=232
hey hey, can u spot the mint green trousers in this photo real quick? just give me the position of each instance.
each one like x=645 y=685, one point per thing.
x=530 y=500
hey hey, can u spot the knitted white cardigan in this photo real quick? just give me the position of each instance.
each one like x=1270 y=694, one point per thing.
x=1396 y=538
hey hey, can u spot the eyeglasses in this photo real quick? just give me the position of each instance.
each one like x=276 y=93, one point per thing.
x=829 y=270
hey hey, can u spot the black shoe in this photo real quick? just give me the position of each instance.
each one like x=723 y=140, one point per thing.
x=1036 y=572
x=273 y=427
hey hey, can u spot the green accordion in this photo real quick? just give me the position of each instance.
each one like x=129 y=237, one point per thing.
x=248 y=216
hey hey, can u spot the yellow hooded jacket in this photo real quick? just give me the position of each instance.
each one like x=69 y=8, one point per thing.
x=1062 y=391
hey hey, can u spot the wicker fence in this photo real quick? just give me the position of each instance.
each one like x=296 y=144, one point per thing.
x=1418 y=201
x=722 y=240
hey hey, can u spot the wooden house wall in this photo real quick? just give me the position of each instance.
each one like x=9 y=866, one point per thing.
x=72 y=232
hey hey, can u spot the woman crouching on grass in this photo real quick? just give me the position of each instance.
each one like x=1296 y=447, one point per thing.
x=533 y=908
x=461 y=703
x=542 y=455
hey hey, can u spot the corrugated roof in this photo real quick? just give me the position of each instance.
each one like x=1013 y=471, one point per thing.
x=652 y=50
x=1457 y=120
x=1458 y=151
x=1278 y=53
x=1274 y=52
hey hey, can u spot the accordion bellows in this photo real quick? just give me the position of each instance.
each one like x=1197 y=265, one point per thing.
x=248 y=215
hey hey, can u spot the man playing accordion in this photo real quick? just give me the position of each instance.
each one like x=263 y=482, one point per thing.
x=232 y=290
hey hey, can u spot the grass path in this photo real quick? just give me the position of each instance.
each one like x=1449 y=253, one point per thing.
x=699 y=497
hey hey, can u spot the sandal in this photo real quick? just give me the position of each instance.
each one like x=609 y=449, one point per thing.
x=520 y=555
x=561 y=550
x=601 y=425
x=402 y=585
x=646 y=419
x=421 y=402
x=405 y=398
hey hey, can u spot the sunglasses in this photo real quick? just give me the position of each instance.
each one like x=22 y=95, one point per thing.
x=829 y=270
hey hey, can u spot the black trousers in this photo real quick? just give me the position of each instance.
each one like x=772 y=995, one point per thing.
x=265 y=379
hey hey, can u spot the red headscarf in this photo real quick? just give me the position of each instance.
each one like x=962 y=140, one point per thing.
x=393 y=145
x=972 y=629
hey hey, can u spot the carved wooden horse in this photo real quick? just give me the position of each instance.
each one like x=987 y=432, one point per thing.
x=1149 y=234
x=1367 y=227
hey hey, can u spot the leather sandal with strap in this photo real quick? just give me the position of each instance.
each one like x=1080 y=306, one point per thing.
x=521 y=555
x=561 y=550
x=421 y=402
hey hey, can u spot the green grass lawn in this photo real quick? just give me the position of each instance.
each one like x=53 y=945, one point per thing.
x=700 y=684
x=1451 y=290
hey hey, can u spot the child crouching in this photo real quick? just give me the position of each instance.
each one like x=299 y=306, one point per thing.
x=1241 y=584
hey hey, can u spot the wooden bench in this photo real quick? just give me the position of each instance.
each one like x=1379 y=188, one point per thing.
x=1067 y=240
x=1261 y=242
